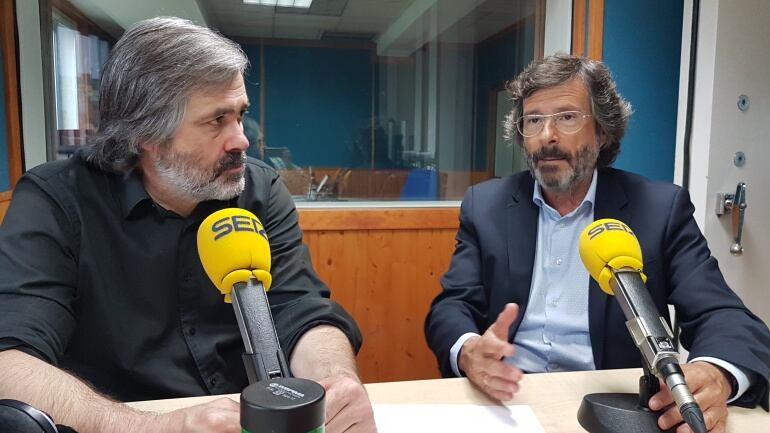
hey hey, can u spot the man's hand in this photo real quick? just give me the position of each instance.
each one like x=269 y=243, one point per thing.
x=711 y=389
x=324 y=354
x=347 y=406
x=481 y=358
x=219 y=416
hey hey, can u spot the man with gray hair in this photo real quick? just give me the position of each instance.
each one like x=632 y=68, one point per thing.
x=517 y=298
x=103 y=295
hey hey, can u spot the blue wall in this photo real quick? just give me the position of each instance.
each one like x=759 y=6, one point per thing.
x=4 y=179
x=318 y=102
x=642 y=42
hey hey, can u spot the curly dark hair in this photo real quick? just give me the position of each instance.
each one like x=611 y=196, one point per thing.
x=610 y=111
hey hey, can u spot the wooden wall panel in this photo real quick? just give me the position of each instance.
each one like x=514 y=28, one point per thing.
x=579 y=27
x=591 y=11
x=386 y=278
x=595 y=29
x=10 y=82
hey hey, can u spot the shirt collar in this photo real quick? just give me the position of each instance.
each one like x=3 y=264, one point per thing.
x=537 y=196
x=132 y=193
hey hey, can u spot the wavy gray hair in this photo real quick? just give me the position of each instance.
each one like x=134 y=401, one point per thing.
x=610 y=111
x=146 y=83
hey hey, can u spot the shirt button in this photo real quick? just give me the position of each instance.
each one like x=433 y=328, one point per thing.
x=192 y=331
x=558 y=262
x=213 y=381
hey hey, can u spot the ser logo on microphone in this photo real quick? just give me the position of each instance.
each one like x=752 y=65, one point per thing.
x=237 y=223
x=609 y=226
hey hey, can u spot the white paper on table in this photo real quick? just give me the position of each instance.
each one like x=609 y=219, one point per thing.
x=460 y=418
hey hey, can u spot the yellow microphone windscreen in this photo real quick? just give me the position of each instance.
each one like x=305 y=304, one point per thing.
x=609 y=244
x=233 y=247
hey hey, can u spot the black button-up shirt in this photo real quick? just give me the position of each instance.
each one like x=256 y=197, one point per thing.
x=101 y=281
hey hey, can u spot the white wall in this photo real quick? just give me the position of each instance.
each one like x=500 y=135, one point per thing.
x=704 y=89
x=558 y=27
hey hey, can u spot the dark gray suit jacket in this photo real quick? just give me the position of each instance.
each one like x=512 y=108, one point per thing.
x=494 y=256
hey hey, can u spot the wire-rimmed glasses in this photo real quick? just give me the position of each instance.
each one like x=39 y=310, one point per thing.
x=566 y=122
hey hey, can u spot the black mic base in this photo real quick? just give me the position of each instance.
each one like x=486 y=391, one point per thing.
x=617 y=413
x=283 y=405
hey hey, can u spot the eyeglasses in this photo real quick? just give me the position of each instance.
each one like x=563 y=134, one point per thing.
x=567 y=122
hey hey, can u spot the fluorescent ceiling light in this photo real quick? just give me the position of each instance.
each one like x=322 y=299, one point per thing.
x=283 y=3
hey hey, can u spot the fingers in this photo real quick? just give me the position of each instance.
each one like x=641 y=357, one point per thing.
x=334 y=403
x=481 y=358
x=498 y=379
x=499 y=387
x=661 y=399
x=219 y=416
x=347 y=406
x=709 y=388
x=505 y=319
x=715 y=419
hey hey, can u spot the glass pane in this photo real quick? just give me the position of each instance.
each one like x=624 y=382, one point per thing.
x=374 y=100
x=353 y=100
x=77 y=62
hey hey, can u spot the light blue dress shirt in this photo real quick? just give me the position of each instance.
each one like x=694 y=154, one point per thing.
x=553 y=335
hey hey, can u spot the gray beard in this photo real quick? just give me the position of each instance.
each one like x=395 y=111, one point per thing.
x=580 y=166
x=183 y=175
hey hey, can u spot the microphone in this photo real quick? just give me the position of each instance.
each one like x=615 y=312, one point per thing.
x=611 y=253
x=235 y=253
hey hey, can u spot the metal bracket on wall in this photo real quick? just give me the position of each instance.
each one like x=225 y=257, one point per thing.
x=735 y=204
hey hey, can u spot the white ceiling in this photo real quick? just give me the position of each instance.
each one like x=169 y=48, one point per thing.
x=114 y=16
x=398 y=27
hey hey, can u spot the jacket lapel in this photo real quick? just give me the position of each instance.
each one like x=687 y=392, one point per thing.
x=610 y=202
x=521 y=223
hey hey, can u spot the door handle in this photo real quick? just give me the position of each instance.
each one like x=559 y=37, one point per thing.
x=735 y=205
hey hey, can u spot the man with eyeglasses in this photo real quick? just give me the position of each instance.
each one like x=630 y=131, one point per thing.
x=517 y=298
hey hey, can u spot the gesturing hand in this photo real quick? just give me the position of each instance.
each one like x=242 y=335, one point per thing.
x=481 y=358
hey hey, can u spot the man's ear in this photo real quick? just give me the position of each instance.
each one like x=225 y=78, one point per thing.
x=149 y=148
x=602 y=138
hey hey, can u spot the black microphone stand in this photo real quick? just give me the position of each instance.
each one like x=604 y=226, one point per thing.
x=263 y=357
x=274 y=401
x=622 y=412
